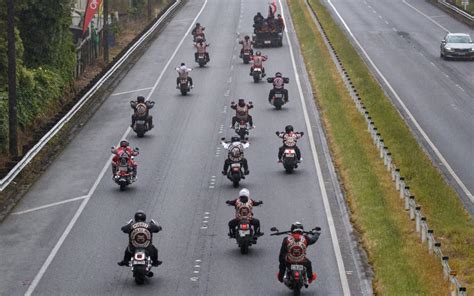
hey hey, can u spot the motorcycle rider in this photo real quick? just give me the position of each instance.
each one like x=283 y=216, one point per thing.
x=140 y=235
x=278 y=85
x=293 y=251
x=258 y=60
x=198 y=30
x=242 y=112
x=289 y=141
x=236 y=154
x=201 y=47
x=280 y=23
x=141 y=108
x=243 y=209
x=246 y=45
x=183 y=72
x=258 y=21
x=124 y=147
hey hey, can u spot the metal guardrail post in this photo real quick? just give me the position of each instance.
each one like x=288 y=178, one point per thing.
x=408 y=207
x=446 y=269
x=397 y=179
x=430 y=241
x=402 y=187
x=423 y=229
x=417 y=218
x=389 y=162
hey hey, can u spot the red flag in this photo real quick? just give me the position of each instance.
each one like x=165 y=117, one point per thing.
x=92 y=7
x=274 y=6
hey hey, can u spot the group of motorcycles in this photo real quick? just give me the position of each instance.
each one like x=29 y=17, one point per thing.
x=124 y=167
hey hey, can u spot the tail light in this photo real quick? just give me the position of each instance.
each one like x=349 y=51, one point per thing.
x=244 y=226
x=297 y=275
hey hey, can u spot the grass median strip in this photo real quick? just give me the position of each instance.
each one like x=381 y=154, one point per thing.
x=402 y=265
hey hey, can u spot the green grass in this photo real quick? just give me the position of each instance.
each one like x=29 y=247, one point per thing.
x=401 y=264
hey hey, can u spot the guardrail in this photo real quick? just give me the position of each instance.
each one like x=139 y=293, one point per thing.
x=57 y=127
x=457 y=10
x=421 y=225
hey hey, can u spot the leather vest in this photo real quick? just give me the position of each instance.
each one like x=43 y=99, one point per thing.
x=296 y=249
x=140 y=236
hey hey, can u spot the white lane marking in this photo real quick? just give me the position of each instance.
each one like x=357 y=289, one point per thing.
x=327 y=208
x=412 y=118
x=130 y=91
x=394 y=29
x=386 y=22
x=78 y=213
x=425 y=15
x=49 y=205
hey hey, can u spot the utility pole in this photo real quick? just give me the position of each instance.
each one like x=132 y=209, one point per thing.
x=106 y=31
x=12 y=116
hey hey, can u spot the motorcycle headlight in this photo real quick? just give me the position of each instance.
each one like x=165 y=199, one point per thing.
x=472 y=49
x=448 y=48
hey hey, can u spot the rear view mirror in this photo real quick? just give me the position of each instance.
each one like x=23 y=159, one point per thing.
x=222 y=139
x=274 y=229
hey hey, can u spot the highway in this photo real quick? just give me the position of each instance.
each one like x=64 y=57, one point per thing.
x=402 y=39
x=64 y=237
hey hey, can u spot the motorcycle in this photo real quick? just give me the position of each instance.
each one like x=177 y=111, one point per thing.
x=140 y=266
x=235 y=173
x=242 y=128
x=246 y=56
x=141 y=125
x=278 y=99
x=289 y=160
x=257 y=74
x=184 y=86
x=124 y=173
x=279 y=96
x=202 y=59
x=245 y=235
x=295 y=277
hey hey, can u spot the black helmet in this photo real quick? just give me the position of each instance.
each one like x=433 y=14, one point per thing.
x=247 y=37
x=182 y=64
x=140 y=99
x=288 y=128
x=258 y=53
x=278 y=74
x=198 y=24
x=235 y=139
x=297 y=227
x=140 y=216
x=124 y=143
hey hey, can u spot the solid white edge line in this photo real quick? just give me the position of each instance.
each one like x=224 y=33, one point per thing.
x=78 y=213
x=49 y=205
x=399 y=100
x=327 y=208
x=55 y=129
x=130 y=91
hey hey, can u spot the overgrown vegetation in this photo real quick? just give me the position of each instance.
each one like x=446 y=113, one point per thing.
x=402 y=266
x=45 y=59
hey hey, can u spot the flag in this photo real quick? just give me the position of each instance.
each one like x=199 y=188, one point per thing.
x=274 y=6
x=91 y=9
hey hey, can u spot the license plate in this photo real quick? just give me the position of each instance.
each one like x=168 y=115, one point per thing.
x=244 y=232
x=235 y=166
x=297 y=267
x=135 y=262
x=267 y=42
x=279 y=96
x=290 y=155
x=140 y=121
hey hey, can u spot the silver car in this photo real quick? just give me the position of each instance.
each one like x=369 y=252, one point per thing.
x=457 y=45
